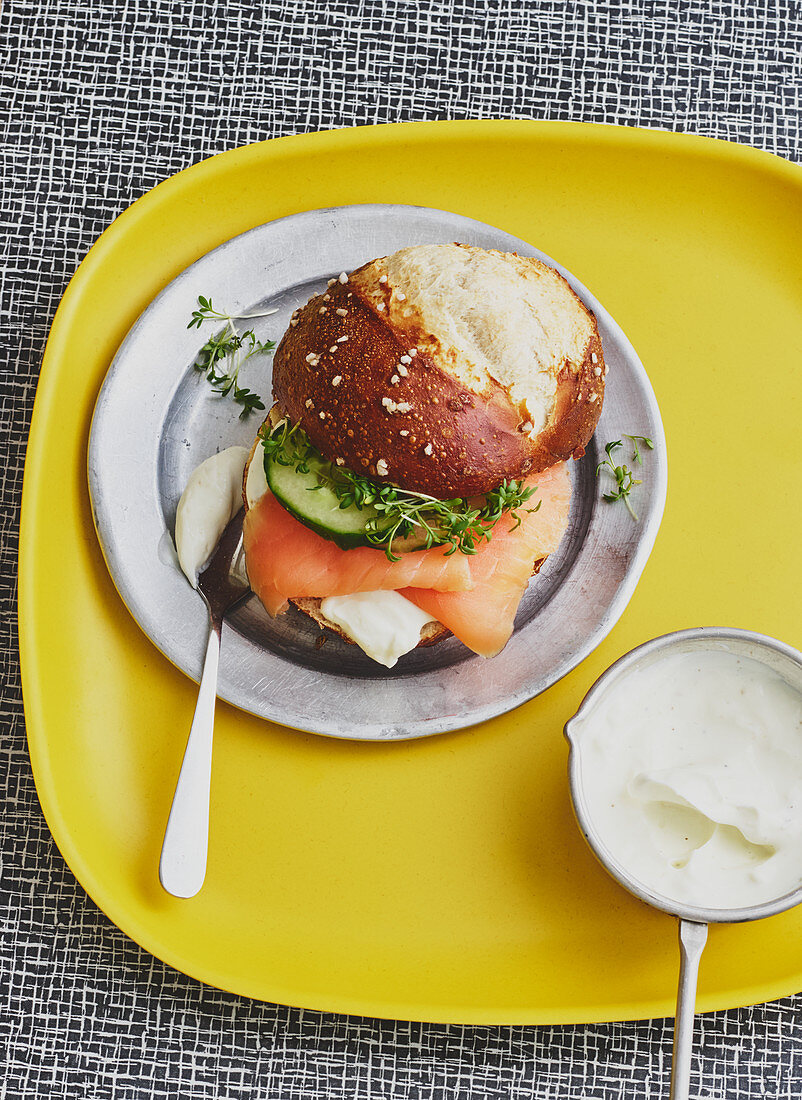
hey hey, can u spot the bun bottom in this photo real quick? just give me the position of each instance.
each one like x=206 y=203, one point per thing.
x=431 y=634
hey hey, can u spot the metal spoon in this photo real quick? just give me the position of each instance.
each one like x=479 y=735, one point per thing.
x=693 y=920
x=182 y=867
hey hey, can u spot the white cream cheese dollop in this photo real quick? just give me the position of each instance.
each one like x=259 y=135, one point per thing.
x=692 y=772
x=212 y=497
x=385 y=625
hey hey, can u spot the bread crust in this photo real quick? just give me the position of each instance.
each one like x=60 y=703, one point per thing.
x=336 y=373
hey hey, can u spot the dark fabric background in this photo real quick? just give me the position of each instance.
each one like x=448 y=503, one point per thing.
x=99 y=101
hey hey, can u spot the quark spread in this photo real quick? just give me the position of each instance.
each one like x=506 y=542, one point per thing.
x=385 y=625
x=691 y=767
x=212 y=497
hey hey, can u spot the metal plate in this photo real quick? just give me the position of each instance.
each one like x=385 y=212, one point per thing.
x=156 y=420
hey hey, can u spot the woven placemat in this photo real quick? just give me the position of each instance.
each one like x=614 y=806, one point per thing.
x=100 y=101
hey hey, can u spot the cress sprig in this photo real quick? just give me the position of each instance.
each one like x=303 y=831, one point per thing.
x=636 y=439
x=459 y=523
x=224 y=354
x=622 y=475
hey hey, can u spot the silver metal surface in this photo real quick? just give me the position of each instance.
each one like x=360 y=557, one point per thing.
x=182 y=867
x=692 y=940
x=156 y=420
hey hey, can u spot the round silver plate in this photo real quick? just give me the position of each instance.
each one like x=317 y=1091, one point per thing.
x=156 y=419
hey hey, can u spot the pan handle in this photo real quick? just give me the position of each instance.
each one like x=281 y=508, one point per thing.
x=692 y=939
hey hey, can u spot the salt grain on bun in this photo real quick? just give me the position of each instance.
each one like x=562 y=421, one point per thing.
x=444 y=369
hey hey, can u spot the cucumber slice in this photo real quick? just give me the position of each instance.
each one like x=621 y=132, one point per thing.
x=316 y=505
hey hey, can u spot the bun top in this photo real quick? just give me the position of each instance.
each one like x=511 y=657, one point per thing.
x=445 y=369
x=491 y=317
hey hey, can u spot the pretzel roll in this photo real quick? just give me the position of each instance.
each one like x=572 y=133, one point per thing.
x=444 y=369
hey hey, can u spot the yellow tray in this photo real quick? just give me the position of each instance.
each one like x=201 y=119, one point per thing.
x=441 y=879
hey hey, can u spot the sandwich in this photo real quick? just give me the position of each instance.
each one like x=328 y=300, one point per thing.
x=412 y=474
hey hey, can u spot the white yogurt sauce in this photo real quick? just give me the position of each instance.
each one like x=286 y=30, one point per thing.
x=212 y=497
x=692 y=772
x=385 y=625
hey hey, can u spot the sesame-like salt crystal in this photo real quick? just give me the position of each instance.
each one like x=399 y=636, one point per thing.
x=343 y=277
x=336 y=380
x=381 y=468
x=341 y=312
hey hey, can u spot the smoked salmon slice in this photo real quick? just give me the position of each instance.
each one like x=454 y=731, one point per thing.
x=286 y=559
x=483 y=617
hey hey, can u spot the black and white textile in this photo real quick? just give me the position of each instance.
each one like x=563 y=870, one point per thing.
x=100 y=101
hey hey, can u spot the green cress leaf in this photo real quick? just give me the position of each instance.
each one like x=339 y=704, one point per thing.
x=636 y=439
x=622 y=475
x=456 y=524
x=231 y=351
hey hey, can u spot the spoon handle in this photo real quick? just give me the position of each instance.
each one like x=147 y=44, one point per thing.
x=182 y=867
x=692 y=939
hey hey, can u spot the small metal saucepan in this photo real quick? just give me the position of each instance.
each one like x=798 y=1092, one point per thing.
x=693 y=920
